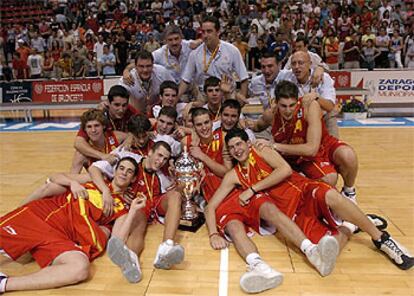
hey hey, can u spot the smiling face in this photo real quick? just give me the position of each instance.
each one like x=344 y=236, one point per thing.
x=203 y=126
x=124 y=174
x=238 y=149
x=269 y=68
x=169 y=97
x=144 y=68
x=94 y=129
x=157 y=159
x=286 y=107
x=118 y=107
x=301 y=66
x=229 y=118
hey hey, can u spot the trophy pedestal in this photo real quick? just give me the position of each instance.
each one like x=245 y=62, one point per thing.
x=192 y=225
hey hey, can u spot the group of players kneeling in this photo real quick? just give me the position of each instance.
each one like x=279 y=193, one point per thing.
x=248 y=185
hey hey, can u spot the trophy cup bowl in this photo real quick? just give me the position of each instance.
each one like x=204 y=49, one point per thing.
x=187 y=173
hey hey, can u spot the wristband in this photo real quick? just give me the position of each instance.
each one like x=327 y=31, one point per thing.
x=213 y=234
x=254 y=191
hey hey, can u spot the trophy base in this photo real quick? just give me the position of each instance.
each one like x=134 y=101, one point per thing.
x=192 y=225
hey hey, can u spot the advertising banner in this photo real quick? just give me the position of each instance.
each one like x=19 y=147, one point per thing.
x=390 y=86
x=16 y=92
x=71 y=91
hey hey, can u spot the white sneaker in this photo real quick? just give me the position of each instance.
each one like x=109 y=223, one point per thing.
x=168 y=254
x=3 y=281
x=260 y=277
x=352 y=196
x=125 y=258
x=323 y=255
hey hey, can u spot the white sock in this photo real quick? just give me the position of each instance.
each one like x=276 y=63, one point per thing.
x=348 y=225
x=3 y=283
x=169 y=242
x=253 y=258
x=349 y=189
x=306 y=245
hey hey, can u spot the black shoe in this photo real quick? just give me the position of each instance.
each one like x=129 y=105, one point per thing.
x=396 y=252
x=378 y=221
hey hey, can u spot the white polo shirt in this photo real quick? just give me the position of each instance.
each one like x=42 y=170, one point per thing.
x=228 y=61
x=139 y=91
x=109 y=170
x=325 y=89
x=260 y=89
x=163 y=57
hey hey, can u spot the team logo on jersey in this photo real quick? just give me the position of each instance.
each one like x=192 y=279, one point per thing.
x=300 y=113
x=10 y=230
x=111 y=141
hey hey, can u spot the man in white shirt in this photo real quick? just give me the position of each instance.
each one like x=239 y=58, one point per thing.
x=216 y=58
x=147 y=79
x=98 y=47
x=35 y=64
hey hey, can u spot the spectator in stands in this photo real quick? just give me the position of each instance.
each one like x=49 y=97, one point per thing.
x=98 y=47
x=19 y=67
x=23 y=49
x=382 y=42
x=368 y=54
x=409 y=57
x=64 y=66
x=252 y=37
x=80 y=46
x=258 y=53
x=107 y=62
x=396 y=45
x=121 y=53
x=242 y=46
x=79 y=64
x=38 y=42
x=48 y=65
x=35 y=64
x=368 y=35
x=281 y=47
x=352 y=51
x=151 y=45
x=92 y=66
x=331 y=50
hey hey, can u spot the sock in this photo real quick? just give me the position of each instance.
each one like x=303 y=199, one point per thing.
x=351 y=227
x=349 y=189
x=169 y=242
x=253 y=258
x=3 y=282
x=306 y=245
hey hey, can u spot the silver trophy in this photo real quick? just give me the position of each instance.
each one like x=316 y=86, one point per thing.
x=187 y=173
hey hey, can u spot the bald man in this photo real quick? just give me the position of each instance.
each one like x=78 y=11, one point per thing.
x=324 y=93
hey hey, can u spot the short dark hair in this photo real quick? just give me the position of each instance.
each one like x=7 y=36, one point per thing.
x=211 y=81
x=212 y=19
x=231 y=103
x=131 y=160
x=236 y=132
x=139 y=124
x=117 y=91
x=168 y=84
x=197 y=112
x=169 y=111
x=302 y=38
x=286 y=90
x=161 y=144
x=144 y=55
x=268 y=55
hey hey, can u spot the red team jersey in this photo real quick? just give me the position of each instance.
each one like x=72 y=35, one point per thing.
x=297 y=197
x=294 y=132
x=214 y=150
x=111 y=142
x=48 y=227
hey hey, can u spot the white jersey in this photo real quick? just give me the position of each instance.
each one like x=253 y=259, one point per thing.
x=325 y=89
x=258 y=88
x=163 y=57
x=109 y=170
x=228 y=61
x=141 y=91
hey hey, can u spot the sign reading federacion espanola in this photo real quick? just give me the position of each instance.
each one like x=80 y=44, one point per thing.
x=72 y=91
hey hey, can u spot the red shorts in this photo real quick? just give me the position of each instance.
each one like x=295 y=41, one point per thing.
x=313 y=216
x=21 y=231
x=230 y=209
x=153 y=209
x=322 y=164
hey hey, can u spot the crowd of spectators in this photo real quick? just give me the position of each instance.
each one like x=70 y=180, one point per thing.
x=94 y=38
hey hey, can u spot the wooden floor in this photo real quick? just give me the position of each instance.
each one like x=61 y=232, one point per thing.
x=385 y=186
